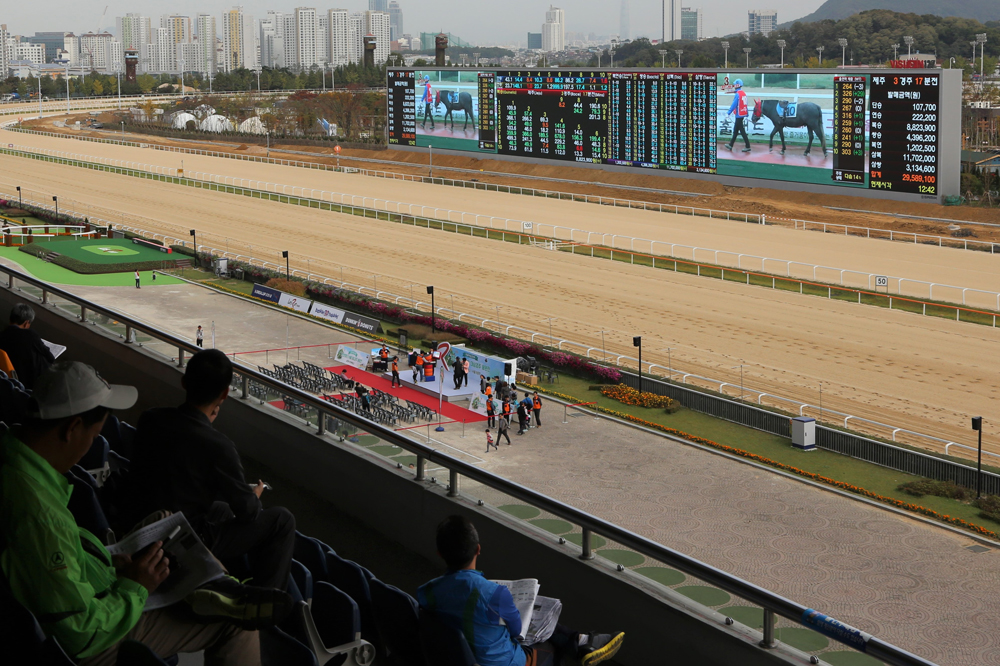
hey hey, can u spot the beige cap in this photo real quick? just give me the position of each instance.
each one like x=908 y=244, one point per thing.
x=69 y=388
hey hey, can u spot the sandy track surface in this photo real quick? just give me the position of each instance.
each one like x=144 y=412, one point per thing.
x=976 y=270
x=924 y=373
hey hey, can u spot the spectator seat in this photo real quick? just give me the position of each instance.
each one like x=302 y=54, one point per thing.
x=443 y=645
x=397 y=615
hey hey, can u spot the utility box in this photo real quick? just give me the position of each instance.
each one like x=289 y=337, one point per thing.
x=804 y=433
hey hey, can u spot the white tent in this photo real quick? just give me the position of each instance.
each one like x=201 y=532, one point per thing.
x=216 y=124
x=181 y=119
x=252 y=125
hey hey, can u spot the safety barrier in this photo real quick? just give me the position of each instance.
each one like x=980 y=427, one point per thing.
x=880 y=429
x=849 y=444
x=772 y=604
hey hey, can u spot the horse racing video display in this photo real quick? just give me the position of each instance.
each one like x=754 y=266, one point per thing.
x=848 y=128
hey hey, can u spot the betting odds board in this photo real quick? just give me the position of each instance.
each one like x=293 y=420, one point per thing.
x=863 y=130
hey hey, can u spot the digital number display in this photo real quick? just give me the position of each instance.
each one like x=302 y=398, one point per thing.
x=401 y=122
x=849 y=129
x=904 y=132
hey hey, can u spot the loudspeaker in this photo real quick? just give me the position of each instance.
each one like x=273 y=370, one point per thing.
x=507 y=370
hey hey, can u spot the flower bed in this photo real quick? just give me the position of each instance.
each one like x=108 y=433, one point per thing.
x=857 y=490
x=630 y=396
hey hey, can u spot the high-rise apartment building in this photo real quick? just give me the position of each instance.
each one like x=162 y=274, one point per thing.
x=554 y=30
x=691 y=24
x=17 y=49
x=100 y=51
x=272 y=47
x=204 y=57
x=395 y=20
x=53 y=42
x=305 y=38
x=535 y=40
x=356 y=35
x=763 y=22
x=377 y=25
x=672 y=29
x=134 y=33
x=378 y=5
x=239 y=41
x=624 y=22
x=340 y=37
x=4 y=60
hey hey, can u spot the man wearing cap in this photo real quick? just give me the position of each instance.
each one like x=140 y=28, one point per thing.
x=739 y=107
x=182 y=463
x=25 y=348
x=427 y=99
x=62 y=573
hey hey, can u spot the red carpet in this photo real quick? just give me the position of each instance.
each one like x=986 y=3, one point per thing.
x=448 y=410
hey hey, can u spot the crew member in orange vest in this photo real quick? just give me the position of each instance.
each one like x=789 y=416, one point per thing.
x=489 y=392
x=429 y=366
x=383 y=353
x=536 y=406
x=418 y=366
x=506 y=409
x=395 y=373
x=491 y=413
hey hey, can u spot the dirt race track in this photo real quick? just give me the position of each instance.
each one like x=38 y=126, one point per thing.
x=923 y=373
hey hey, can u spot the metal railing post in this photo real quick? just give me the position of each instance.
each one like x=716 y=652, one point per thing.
x=768 y=641
x=587 y=553
x=321 y=425
x=128 y=334
x=246 y=386
x=421 y=463
x=45 y=297
x=180 y=357
x=453 y=477
x=83 y=314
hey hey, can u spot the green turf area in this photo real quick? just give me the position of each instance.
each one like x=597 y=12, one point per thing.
x=59 y=275
x=871 y=477
x=106 y=250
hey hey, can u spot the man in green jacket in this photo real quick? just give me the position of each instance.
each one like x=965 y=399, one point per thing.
x=61 y=572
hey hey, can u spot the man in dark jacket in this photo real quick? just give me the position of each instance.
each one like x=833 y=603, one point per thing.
x=182 y=463
x=28 y=354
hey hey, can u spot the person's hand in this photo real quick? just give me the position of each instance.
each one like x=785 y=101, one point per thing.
x=120 y=561
x=258 y=490
x=149 y=568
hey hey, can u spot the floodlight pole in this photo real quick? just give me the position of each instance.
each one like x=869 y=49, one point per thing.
x=20 y=201
x=747 y=50
x=843 y=51
x=725 y=47
x=908 y=40
x=288 y=272
x=637 y=342
x=194 y=235
x=430 y=290
x=781 y=44
x=679 y=53
x=977 y=424
x=56 y=200
x=663 y=53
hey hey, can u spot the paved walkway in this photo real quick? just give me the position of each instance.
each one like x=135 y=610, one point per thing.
x=919 y=586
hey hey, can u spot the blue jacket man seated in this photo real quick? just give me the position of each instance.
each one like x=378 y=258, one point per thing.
x=484 y=611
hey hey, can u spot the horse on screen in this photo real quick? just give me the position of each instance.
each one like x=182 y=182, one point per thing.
x=784 y=114
x=455 y=101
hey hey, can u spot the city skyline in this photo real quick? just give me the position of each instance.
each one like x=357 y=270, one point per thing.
x=520 y=16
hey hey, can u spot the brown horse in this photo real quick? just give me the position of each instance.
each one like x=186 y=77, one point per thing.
x=807 y=115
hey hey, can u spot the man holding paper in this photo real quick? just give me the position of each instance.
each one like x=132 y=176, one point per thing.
x=487 y=614
x=28 y=353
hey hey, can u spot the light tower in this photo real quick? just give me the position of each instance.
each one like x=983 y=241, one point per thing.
x=663 y=55
x=679 y=53
x=819 y=50
x=895 y=51
x=746 y=50
x=781 y=44
x=908 y=40
x=725 y=47
x=843 y=51
x=981 y=40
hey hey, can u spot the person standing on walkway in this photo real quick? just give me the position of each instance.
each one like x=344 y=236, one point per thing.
x=503 y=425
x=137 y=280
x=465 y=370
x=489 y=441
x=536 y=406
x=457 y=375
x=199 y=337
x=482 y=383
x=395 y=373
x=491 y=413
x=739 y=107
x=522 y=418
x=417 y=364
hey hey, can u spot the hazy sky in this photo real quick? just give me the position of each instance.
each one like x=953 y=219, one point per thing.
x=477 y=21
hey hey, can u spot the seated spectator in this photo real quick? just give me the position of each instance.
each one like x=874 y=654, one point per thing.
x=62 y=573
x=28 y=354
x=348 y=382
x=484 y=611
x=182 y=463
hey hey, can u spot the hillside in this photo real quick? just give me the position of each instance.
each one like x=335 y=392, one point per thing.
x=981 y=10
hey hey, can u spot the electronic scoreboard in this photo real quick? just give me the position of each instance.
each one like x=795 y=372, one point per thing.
x=874 y=130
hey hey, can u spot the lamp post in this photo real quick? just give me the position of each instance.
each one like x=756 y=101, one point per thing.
x=981 y=38
x=20 y=201
x=895 y=51
x=843 y=51
x=819 y=50
x=781 y=44
x=430 y=290
x=663 y=55
x=725 y=48
x=679 y=53
x=258 y=80
x=194 y=236
x=614 y=45
x=973 y=44
x=746 y=50
x=40 y=92
x=977 y=424
x=908 y=40
x=288 y=272
x=55 y=199
x=637 y=342
x=118 y=75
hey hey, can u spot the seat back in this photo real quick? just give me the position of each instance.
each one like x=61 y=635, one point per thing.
x=84 y=505
x=303 y=579
x=310 y=552
x=6 y=366
x=351 y=578
x=279 y=649
x=397 y=615
x=336 y=615
x=442 y=644
x=112 y=433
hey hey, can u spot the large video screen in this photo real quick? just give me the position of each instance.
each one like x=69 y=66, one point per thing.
x=855 y=130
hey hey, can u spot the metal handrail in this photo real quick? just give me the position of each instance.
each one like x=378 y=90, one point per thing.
x=771 y=603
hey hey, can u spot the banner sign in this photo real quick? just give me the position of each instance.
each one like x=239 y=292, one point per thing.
x=155 y=246
x=478 y=404
x=836 y=629
x=266 y=293
x=480 y=364
x=364 y=323
x=353 y=357
x=297 y=303
x=327 y=312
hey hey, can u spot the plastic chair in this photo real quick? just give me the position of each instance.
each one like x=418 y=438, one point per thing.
x=397 y=615
x=351 y=578
x=84 y=505
x=333 y=616
x=303 y=580
x=112 y=433
x=279 y=649
x=312 y=554
x=6 y=366
x=442 y=644
x=95 y=460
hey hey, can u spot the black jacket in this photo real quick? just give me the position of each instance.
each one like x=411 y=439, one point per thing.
x=28 y=354
x=182 y=463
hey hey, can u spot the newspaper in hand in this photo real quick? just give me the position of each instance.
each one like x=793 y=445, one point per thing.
x=55 y=349
x=539 y=615
x=191 y=563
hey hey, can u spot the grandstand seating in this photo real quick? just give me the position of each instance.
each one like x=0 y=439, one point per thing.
x=441 y=644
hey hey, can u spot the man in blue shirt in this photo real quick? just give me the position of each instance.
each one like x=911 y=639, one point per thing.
x=739 y=107
x=484 y=611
